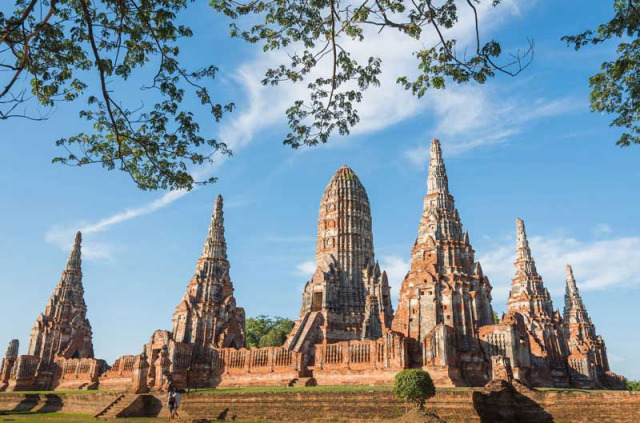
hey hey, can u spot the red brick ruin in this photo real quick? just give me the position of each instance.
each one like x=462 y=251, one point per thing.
x=347 y=333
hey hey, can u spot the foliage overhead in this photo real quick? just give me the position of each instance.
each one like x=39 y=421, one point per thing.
x=265 y=331
x=496 y=319
x=65 y=50
x=616 y=88
x=92 y=51
x=414 y=386
x=317 y=35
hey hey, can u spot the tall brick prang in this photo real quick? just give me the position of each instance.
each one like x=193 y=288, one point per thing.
x=529 y=302
x=445 y=297
x=348 y=296
x=63 y=330
x=588 y=362
x=207 y=316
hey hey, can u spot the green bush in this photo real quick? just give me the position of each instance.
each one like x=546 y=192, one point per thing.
x=414 y=386
x=633 y=385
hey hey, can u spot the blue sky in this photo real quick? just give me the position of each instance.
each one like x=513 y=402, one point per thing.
x=516 y=147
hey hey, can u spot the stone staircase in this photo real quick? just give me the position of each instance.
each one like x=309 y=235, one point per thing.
x=307 y=324
x=116 y=407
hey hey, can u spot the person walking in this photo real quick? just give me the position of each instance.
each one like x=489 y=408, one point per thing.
x=173 y=401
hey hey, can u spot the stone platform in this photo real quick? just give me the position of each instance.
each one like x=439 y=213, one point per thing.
x=323 y=405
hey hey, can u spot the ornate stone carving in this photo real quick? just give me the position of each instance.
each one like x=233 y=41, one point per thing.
x=63 y=329
x=348 y=296
x=207 y=316
x=445 y=286
x=587 y=359
x=530 y=302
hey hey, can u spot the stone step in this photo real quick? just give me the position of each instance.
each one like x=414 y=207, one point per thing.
x=116 y=407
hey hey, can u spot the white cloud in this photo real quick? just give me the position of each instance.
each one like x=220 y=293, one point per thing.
x=383 y=106
x=396 y=268
x=602 y=229
x=464 y=124
x=306 y=268
x=62 y=235
x=597 y=264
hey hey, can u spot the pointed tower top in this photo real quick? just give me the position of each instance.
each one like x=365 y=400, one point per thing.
x=344 y=173
x=437 y=181
x=75 y=260
x=572 y=287
x=215 y=246
x=521 y=234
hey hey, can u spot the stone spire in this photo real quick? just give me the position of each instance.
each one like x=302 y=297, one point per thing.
x=445 y=285
x=530 y=303
x=215 y=246
x=587 y=351
x=576 y=318
x=524 y=261
x=437 y=181
x=63 y=329
x=572 y=287
x=207 y=316
x=528 y=294
x=348 y=287
x=75 y=259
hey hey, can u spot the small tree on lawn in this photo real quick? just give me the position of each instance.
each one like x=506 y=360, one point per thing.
x=413 y=386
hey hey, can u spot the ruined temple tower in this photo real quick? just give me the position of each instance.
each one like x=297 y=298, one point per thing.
x=444 y=297
x=63 y=330
x=588 y=361
x=530 y=302
x=348 y=296
x=8 y=361
x=207 y=316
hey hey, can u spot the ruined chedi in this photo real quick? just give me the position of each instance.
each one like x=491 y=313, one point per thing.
x=63 y=330
x=8 y=362
x=530 y=303
x=587 y=360
x=348 y=296
x=444 y=297
x=207 y=316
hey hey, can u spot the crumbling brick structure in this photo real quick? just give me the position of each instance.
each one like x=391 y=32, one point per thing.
x=347 y=332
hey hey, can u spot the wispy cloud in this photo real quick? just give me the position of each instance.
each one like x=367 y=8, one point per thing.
x=94 y=249
x=382 y=107
x=306 y=268
x=396 y=268
x=602 y=229
x=597 y=264
x=473 y=128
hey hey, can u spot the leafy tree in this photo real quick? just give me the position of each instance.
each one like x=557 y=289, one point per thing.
x=67 y=50
x=616 y=89
x=91 y=51
x=496 y=319
x=265 y=331
x=633 y=385
x=320 y=31
x=414 y=386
